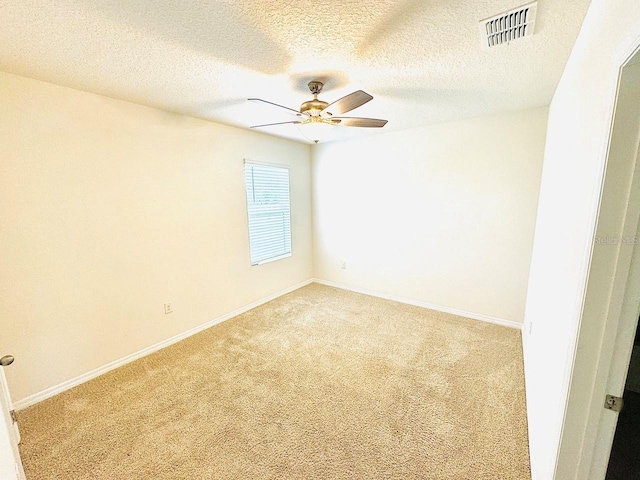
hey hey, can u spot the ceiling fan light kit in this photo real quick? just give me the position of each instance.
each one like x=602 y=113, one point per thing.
x=315 y=131
x=315 y=115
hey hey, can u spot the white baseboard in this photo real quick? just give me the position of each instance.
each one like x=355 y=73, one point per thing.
x=56 y=389
x=418 y=303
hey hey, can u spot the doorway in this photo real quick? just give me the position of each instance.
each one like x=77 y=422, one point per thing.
x=624 y=462
x=612 y=300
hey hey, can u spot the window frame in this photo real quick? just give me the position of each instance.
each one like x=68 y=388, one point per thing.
x=248 y=162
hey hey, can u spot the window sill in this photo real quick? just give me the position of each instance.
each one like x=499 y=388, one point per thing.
x=269 y=260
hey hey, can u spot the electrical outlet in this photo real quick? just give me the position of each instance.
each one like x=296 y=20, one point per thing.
x=343 y=264
x=168 y=308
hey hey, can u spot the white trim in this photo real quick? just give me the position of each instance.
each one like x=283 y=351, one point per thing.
x=272 y=259
x=266 y=164
x=585 y=434
x=430 y=306
x=74 y=382
x=10 y=432
x=85 y=377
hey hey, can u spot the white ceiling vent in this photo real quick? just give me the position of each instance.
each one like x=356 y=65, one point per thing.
x=508 y=26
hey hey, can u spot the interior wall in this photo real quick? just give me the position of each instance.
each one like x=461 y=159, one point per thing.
x=558 y=324
x=110 y=209
x=441 y=214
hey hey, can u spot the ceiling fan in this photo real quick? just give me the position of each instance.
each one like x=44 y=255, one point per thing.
x=316 y=113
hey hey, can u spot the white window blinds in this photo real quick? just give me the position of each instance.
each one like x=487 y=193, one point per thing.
x=269 y=211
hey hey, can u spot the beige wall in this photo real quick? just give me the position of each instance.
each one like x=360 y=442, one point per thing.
x=110 y=209
x=442 y=214
x=562 y=325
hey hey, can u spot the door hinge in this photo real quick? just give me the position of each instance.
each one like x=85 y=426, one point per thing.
x=14 y=417
x=614 y=403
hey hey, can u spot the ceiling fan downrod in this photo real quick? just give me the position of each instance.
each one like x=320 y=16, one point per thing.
x=315 y=106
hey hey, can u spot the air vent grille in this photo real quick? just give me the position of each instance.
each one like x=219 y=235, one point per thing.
x=508 y=26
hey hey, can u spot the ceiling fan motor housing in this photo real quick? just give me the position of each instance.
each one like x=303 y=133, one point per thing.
x=313 y=107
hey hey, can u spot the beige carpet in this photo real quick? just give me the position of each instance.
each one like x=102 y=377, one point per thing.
x=318 y=384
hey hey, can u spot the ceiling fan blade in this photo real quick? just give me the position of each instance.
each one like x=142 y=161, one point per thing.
x=289 y=110
x=271 y=124
x=348 y=103
x=360 y=122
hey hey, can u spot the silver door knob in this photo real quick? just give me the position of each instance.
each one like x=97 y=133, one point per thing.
x=6 y=360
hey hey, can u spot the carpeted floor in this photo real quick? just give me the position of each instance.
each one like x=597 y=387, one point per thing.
x=318 y=384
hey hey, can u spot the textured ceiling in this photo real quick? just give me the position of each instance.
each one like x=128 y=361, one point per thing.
x=420 y=59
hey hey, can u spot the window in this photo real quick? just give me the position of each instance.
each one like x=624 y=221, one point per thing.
x=269 y=212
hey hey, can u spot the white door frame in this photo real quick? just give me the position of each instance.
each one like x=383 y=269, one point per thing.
x=609 y=313
x=619 y=334
x=10 y=463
